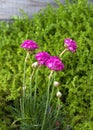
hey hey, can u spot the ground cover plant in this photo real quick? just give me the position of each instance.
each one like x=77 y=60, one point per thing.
x=49 y=29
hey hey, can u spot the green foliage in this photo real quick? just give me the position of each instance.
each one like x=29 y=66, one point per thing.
x=49 y=28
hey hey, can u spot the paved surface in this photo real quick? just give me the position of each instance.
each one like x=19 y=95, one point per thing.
x=9 y=8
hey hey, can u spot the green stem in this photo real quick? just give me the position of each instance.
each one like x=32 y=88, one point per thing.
x=58 y=107
x=63 y=52
x=30 y=93
x=53 y=79
x=36 y=85
x=24 y=87
x=47 y=102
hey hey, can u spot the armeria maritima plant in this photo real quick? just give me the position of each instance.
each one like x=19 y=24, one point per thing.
x=55 y=65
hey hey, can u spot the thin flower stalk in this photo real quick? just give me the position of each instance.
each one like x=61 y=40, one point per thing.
x=63 y=52
x=30 y=92
x=50 y=75
x=58 y=107
x=26 y=56
x=24 y=87
x=36 y=85
x=47 y=104
x=52 y=92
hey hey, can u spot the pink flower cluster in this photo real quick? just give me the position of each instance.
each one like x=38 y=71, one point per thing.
x=70 y=44
x=52 y=62
x=29 y=45
x=42 y=57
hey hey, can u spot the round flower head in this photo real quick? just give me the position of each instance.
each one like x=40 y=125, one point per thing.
x=54 y=63
x=70 y=44
x=42 y=57
x=29 y=45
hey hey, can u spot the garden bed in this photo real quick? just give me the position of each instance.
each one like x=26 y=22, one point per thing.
x=49 y=28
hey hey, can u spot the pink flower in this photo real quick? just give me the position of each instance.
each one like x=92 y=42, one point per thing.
x=70 y=44
x=29 y=45
x=42 y=57
x=54 y=63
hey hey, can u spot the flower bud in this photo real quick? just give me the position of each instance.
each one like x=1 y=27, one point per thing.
x=59 y=94
x=24 y=87
x=35 y=64
x=56 y=84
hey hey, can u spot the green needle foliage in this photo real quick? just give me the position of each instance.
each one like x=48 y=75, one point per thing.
x=49 y=28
